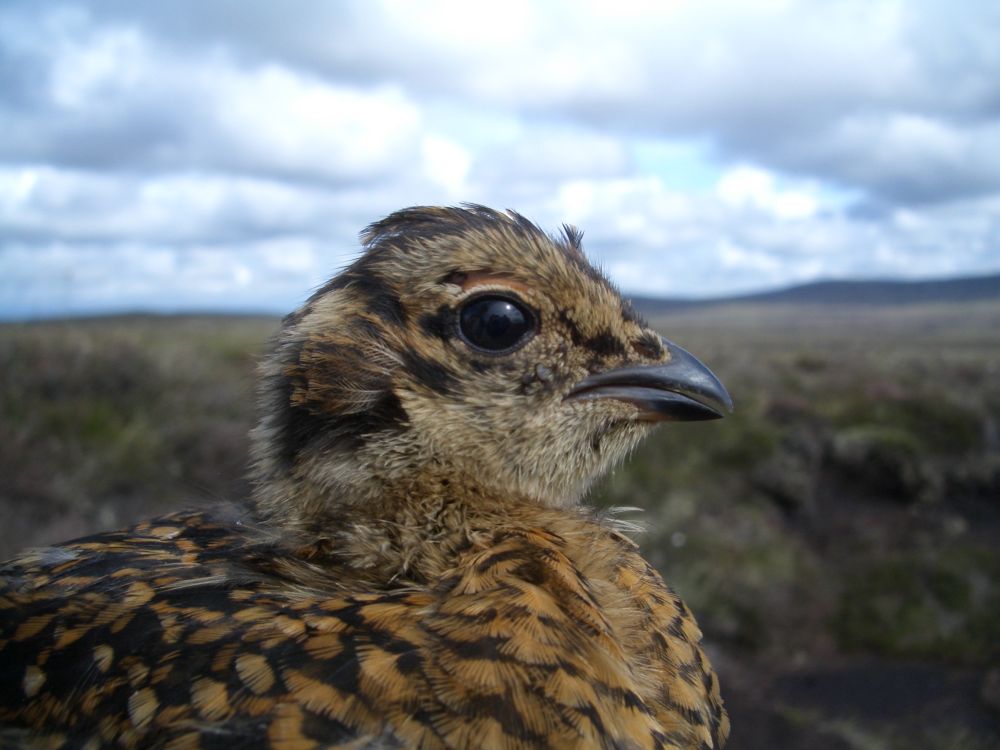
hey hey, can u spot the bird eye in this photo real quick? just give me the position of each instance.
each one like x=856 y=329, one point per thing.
x=496 y=324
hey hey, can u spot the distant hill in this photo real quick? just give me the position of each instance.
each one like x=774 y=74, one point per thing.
x=879 y=293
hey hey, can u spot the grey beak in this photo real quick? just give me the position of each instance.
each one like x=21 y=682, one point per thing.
x=682 y=389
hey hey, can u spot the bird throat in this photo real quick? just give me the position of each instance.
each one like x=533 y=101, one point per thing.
x=387 y=531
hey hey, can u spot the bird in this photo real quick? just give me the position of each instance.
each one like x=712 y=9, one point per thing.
x=416 y=564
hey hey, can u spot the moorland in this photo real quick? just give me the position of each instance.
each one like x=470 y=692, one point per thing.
x=838 y=536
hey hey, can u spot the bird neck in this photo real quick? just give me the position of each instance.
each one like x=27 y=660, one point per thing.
x=387 y=525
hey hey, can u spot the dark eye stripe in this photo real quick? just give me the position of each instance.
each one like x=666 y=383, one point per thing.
x=495 y=324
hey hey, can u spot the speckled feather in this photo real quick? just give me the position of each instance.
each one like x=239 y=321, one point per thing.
x=385 y=587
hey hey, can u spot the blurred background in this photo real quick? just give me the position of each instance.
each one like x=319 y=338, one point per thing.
x=806 y=195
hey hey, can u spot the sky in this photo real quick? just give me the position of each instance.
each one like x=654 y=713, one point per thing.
x=224 y=155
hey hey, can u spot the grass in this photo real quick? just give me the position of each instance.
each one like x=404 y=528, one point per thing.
x=848 y=510
x=104 y=422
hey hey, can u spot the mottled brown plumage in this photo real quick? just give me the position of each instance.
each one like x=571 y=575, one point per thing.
x=415 y=568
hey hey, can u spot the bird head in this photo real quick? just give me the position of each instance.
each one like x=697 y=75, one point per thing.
x=464 y=347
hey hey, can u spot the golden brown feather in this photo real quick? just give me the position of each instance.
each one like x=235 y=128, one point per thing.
x=415 y=568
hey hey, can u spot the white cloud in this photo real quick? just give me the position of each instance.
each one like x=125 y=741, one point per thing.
x=115 y=97
x=295 y=256
x=181 y=207
x=89 y=69
x=750 y=187
x=228 y=153
x=278 y=120
x=445 y=163
x=741 y=259
x=545 y=153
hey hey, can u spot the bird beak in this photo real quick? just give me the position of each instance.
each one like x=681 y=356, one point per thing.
x=682 y=389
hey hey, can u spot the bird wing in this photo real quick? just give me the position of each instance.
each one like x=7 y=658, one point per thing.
x=666 y=637
x=164 y=635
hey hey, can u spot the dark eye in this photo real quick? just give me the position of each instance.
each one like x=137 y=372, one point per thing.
x=495 y=324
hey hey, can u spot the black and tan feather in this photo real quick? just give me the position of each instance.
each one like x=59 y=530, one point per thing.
x=415 y=568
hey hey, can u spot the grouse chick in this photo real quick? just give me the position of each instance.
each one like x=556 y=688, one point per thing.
x=415 y=568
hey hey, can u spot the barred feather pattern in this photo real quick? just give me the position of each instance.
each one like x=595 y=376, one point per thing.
x=182 y=632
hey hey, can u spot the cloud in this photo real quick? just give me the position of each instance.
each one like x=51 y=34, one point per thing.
x=187 y=153
x=115 y=98
x=178 y=208
x=903 y=158
x=896 y=100
x=265 y=251
x=751 y=188
x=815 y=90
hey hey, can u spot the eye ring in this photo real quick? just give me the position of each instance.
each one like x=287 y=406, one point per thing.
x=495 y=323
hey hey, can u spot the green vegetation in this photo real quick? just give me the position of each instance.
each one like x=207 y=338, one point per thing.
x=103 y=422
x=941 y=605
x=845 y=517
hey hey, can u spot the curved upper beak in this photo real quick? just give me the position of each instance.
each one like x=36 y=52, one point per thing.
x=682 y=389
